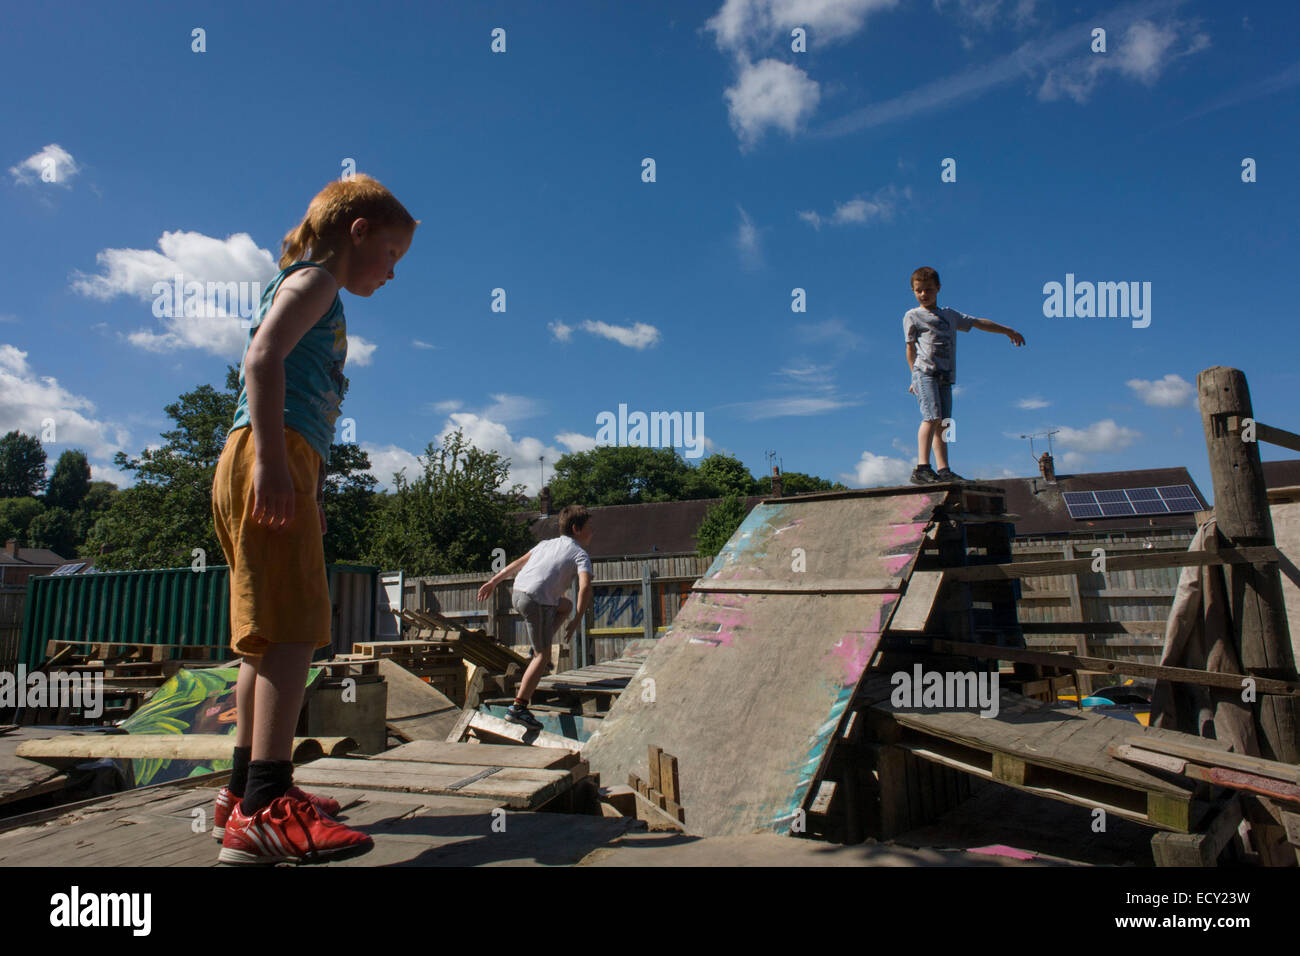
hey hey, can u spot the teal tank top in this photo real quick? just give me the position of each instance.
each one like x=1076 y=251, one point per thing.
x=314 y=384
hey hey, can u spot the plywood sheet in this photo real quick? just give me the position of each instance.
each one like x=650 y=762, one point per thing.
x=747 y=689
x=1286 y=533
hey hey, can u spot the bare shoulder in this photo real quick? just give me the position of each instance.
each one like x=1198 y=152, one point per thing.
x=312 y=286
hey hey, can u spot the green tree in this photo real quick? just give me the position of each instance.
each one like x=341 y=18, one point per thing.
x=450 y=518
x=22 y=466
x=721 y=475
x=56 y=529
x=16 y=516
x=167 y=513
x=99 y=498
x=350 y=504
x=70 y=482
x=798 y=483
x=623 y=475
x=719 y=524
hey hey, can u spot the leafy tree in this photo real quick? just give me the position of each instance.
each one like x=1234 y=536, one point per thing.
x=22 y=466
x=70 y=482
x=350 y=503
x=167 y=513
x=16 y=516
x=450 y=518
x=722 y=475
x=798 y=483
x=99 y=498
x=719 y=524
x=623 y=475
x=56 y=529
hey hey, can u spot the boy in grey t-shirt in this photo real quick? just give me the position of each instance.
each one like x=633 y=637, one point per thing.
x=931 y=335
x=541 y=578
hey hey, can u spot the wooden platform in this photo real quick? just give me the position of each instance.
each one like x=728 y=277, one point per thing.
x=1058 y=753
x=747 y=688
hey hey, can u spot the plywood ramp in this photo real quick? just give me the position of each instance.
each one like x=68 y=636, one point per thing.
x=747 y=687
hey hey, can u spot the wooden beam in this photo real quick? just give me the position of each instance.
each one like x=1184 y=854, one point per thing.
x=1178 y=675
x=1243 y=518
x=913 y=610
x=1117 y=562
x=1218 y=758
x=1274 y=436
x=70 y=750
x=825 y=586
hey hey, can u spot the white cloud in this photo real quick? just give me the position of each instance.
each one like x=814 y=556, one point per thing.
x=861 y=211
x=442 y=408
x=1144 y=50
x=54 y=158
x=782 y=407
x=751 y=24
x=576 y=441
x=988 y=14
x=638 y=336
x=1032 y=403
x=1074 y=461
x=561 y=331
x=359 y=350
x=832 y=332
x=874 y=470
x=197 y=258
x=28 y=400
x=510 y=408
x=1172 y=391
x=1050 y=55
x=1099 y=436
x=422 y=345
x=5 y=317
x=387 y=459
x=494 y=436
x=770 y=93
x=747 y=240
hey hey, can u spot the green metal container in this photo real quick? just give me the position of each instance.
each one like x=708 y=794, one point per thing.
x=170 y=606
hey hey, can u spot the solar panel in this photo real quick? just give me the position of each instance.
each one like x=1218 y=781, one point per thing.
x=1084 y=511
x=1176 y=491
x=1078 y=498
x=1182 y=505
x=1116 y=509
x=1142 y=494
x=1150 y=507
x=1111 y=497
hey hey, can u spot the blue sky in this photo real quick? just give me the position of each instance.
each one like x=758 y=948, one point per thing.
x=774 y=170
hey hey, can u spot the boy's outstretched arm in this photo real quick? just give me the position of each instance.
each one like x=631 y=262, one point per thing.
x=509 y=571
x=987 y=325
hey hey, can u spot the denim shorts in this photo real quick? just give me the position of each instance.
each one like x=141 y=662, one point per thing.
x=934 y=394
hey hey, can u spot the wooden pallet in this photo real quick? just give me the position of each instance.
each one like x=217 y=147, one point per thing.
x=474 y=645
x=663 y=789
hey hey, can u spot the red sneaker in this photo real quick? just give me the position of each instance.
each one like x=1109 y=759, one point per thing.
x=226 y=799
x=286 y=831
x=326 y=805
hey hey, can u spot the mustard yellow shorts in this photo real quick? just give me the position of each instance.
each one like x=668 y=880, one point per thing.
x=279 y=591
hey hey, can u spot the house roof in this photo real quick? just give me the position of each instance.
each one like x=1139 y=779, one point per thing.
x=657 y=527
x=32 y=557
x=1282 y=474
x=1041 y=508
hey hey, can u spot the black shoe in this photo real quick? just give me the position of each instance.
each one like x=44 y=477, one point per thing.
x=924 y=475
x=947 y=474
x=522 y=715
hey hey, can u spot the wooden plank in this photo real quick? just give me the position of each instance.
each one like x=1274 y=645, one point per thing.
x=519 y=787
x=1198 y=849
x=498 y=728
x=498 y=755
x=914 y=608
x=653 y=760
x=1276 y=436
x=1182 y=675
x=68 y=751
x=1219 y=758
x=1117 y=562
x=1093 y=627
x=826 y=586
x=668 y=780
x=461 y=727
x=750 y=688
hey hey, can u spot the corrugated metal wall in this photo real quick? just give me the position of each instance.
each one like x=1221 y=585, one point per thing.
x=167 y=606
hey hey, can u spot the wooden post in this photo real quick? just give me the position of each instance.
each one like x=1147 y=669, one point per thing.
x=1241 y=509
x=647 y=602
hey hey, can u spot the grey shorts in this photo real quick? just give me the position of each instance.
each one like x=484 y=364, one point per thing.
x=540 y=619
x=934 y=394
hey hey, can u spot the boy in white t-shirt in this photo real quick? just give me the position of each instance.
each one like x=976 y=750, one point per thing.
x=541 y=578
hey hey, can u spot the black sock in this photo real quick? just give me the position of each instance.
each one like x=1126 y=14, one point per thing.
x=239 y=771
x=267 y=779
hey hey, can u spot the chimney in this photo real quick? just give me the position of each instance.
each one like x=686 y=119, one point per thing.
x=11 y=546
x=1047 y=467
x=776 y=483
x=544 y=501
